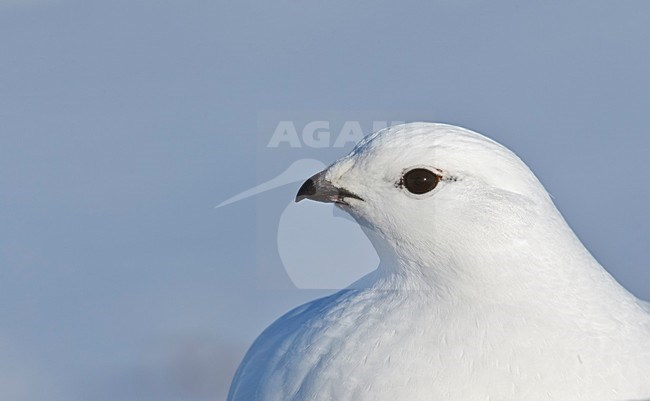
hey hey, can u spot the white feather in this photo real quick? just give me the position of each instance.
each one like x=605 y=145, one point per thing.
x=483 y=292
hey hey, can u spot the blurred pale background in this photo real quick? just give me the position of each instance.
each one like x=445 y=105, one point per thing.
x=123 y=123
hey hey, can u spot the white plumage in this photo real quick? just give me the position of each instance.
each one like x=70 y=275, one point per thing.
x=483 y=291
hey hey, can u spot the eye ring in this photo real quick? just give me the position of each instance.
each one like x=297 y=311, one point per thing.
x=419 y=180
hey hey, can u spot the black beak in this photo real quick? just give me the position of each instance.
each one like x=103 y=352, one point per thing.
x=317 y=188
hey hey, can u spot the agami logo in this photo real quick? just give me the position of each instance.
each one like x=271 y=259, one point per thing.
x=320 y=246
x=319 y=134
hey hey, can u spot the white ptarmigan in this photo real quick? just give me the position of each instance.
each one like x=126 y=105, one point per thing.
x=483 y=291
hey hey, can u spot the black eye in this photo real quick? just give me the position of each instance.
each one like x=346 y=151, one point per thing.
x=419 y=180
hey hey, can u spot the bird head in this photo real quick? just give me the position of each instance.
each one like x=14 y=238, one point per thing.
x=431 y=194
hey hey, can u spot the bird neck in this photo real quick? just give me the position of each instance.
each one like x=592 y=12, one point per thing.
x=529 y=263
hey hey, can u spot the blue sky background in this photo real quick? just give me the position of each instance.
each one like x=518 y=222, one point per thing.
x=123 y=123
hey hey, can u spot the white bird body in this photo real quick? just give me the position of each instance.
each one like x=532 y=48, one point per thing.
x=483 y=292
